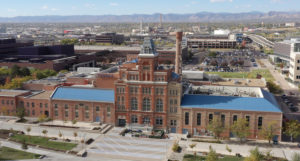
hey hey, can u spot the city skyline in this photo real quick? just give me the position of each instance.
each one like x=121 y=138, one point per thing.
x=117 y=7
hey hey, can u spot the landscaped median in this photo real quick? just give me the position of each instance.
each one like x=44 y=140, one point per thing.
x=43 y=142
x=190 y=157
x=13 y=154
x=265 y=73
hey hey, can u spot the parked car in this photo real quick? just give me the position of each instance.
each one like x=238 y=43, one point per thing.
x=291 y=93
x=293 y=109
x=283 y=96
x=286 y=101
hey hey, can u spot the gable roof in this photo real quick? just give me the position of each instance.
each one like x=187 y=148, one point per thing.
x=83 y=94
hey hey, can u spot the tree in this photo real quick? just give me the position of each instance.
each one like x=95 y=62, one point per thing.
x=24 y=144
x=213 y=63
x=240 y=129
x=224 y=64
x=15 y=71
x=274 y=88
x=192 y=146
x=75 y=135
x=228 y=149
x=255 y=155
x=24 y=72
x=296 y=157
x=28 y=129
x=74 y=122
x=268 y=132
x=292 y=129
x=40 y=75
x=216 y=126
x=176 y=147
x=21 y=113
x=212 y=155
x=212 y=54
x=82 y=142
x=3 y=111
x=42 y=118
x=60 y=134
x=45 y=132
x=69 y=41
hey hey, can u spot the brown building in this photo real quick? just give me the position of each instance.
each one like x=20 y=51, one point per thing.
x=9 y=101
x=83 y=104
x=37 y=104
x=142 y=91
x=145 y=94
x=199 y=110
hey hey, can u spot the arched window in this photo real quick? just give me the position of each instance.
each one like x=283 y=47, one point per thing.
x=146 y=104
x=134 y=103
x=159 y=105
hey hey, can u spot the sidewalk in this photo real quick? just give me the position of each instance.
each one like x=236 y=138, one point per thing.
x=279 y=79
x=241 y=149
x=36 y=130
x=31 y=149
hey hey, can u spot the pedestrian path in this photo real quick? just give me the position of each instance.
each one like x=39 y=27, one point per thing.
x=241 y=149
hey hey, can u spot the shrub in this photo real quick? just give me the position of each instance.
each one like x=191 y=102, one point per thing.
x=176 y=147
x=24 y=145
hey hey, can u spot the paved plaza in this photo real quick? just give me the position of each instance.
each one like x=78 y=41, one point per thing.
x=130 y=148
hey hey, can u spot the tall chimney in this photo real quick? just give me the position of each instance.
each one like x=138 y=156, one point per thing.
x=178 y=59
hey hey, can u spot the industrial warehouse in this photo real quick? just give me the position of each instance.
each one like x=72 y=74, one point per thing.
x=143 y=94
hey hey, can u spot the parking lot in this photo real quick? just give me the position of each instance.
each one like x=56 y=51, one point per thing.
x=229 y=61
x=290 y=105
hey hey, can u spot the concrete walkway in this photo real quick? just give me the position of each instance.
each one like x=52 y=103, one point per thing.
x=36 y=130
x=241 y=149
x=279 y=79
x=49 y=154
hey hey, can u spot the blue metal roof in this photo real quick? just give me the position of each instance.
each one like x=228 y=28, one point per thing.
x=230 y=103
x=83 y=94
x=134 y=61
x=174 y=75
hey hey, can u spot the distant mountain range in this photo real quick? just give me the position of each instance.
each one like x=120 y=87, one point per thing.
x=197 y=17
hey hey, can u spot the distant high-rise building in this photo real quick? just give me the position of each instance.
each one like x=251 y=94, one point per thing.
x=2 y=29
x=110 y=37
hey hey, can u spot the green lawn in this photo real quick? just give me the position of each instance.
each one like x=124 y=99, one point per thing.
x=13 y=154
x=251 y=75
x=43 y=142
x=189 y=157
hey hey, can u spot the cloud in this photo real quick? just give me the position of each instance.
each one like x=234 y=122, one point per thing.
x=215 y=1
x=89 y=5
x=113 y=4
x=11 y=10
x=45 y=7
x=74 y=7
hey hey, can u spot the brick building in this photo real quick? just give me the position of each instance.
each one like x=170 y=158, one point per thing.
x=9 y=101
x=82 y=104
x=142 y=90
x=199 y=110
x=145 y=94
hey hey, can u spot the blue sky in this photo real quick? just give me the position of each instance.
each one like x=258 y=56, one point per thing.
x=11 y=8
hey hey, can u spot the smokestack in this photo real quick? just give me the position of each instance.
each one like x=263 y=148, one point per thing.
x=178 y=59
x=160 y=21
